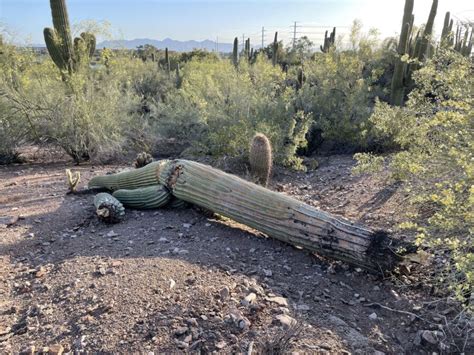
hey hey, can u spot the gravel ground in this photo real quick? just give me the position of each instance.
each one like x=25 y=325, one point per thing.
x=177 y=281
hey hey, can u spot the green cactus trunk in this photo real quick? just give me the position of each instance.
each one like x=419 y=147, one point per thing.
x=427 y=33
x=133 y=179
x=68 y=55
x=108 y=208
x=155 y=196
x=275 y=50
x=235 y=52
x=167 y=62
x=277 y=215
x=399 y=74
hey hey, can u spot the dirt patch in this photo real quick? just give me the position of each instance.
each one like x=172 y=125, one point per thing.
x=175 y=280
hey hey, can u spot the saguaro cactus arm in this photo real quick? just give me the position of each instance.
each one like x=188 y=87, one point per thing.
x=108 y=208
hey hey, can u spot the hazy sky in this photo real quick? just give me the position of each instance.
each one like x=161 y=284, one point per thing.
x=197 y=19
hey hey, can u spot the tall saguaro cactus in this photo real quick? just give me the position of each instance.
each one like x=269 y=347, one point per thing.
x=68 y=55
x=398 y=87
x=427 y=33
x=235 y=52
x=167 y=62
x=329 y=41
x=275 y=50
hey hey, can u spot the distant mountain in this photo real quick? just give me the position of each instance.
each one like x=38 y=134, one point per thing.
x=171 y=44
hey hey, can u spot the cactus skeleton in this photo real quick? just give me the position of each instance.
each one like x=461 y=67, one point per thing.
x=108 y=208
x=73 y=180
x=280 y=216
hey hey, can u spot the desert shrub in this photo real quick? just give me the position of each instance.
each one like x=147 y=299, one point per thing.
x=13 y=128
x=435 y=132
x=218 y=109
x=339 y=91
x=85 y=114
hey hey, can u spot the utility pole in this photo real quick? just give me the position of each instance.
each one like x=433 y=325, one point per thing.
x=263 y=37
x=243 y=41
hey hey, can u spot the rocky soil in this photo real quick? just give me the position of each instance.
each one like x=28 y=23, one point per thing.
x=178 y=281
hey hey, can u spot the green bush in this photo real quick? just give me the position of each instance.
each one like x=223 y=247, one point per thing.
x=86 y=113
x=219 y=108
x=435 y=132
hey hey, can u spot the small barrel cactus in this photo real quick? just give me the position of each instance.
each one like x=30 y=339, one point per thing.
x=142 y=159
x=261 y=158
x=108 y=208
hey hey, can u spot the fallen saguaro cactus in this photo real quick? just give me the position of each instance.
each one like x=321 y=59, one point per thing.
x=108 y=208
x=275 y=214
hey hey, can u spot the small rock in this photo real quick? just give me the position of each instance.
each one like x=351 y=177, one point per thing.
x=430 y=336
x=56 y=349
x=192 y=322
x=172 y=284
x=224 y=293
x=376 y=288
x=180 y=331
x=187 y=225
x=249 y=299
x=112 y=234
x=221 y=345
x=102 y=271
x=373 y=316
x=281 y=301
x=285 y=321
x=29 y=350
x=267 y=273
x=303 y=307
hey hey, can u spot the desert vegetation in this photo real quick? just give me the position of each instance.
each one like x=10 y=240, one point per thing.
x=401 y=106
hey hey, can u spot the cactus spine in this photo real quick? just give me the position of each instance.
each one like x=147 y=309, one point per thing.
x=275 y=50
x=329 y=41
x=68 y=55
x=154 y=196
x=260 y=157
x=235 y=52
x=108 y=208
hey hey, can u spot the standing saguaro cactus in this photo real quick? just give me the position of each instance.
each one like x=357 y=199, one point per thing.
x=68 y=55
x=235 y=52
x=329 y=41
x=261 y=158
x=275 y=50
x=167 y=62
x=398 y=87
x=427 y=33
